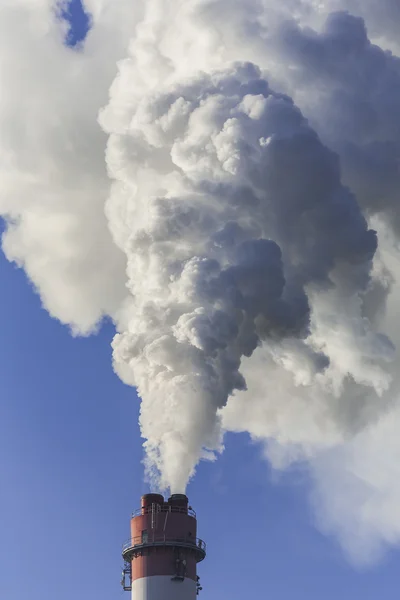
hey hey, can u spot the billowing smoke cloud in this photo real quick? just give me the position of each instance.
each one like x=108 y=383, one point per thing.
x=248 y=145
x=350 y=91
x=382 y=18
x=234 y=222
x=53 y=181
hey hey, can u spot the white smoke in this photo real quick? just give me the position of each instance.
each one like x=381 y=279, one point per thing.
x=234 y=223
x=229 y=251
x=53 y=179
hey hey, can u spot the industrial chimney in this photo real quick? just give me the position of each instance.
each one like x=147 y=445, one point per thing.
x=161 y=556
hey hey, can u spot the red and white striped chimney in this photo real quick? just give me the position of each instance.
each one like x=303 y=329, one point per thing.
x=162 y=554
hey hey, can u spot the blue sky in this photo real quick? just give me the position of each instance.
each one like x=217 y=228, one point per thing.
x=70 y=464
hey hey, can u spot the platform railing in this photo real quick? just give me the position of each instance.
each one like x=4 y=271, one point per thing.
x=160 y=539
x=163 y=508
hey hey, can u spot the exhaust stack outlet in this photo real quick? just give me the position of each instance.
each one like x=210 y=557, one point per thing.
x=161 y=556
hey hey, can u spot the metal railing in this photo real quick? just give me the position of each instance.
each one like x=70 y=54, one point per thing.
x=159 y=540
x=163 y=508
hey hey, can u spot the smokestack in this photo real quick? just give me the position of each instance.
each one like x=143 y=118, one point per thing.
x=161 y=556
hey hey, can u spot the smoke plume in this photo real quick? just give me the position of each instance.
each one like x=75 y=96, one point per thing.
x=234 y=222
x=231 y=232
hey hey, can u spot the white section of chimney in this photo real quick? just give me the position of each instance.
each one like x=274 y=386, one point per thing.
x=163 y=588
